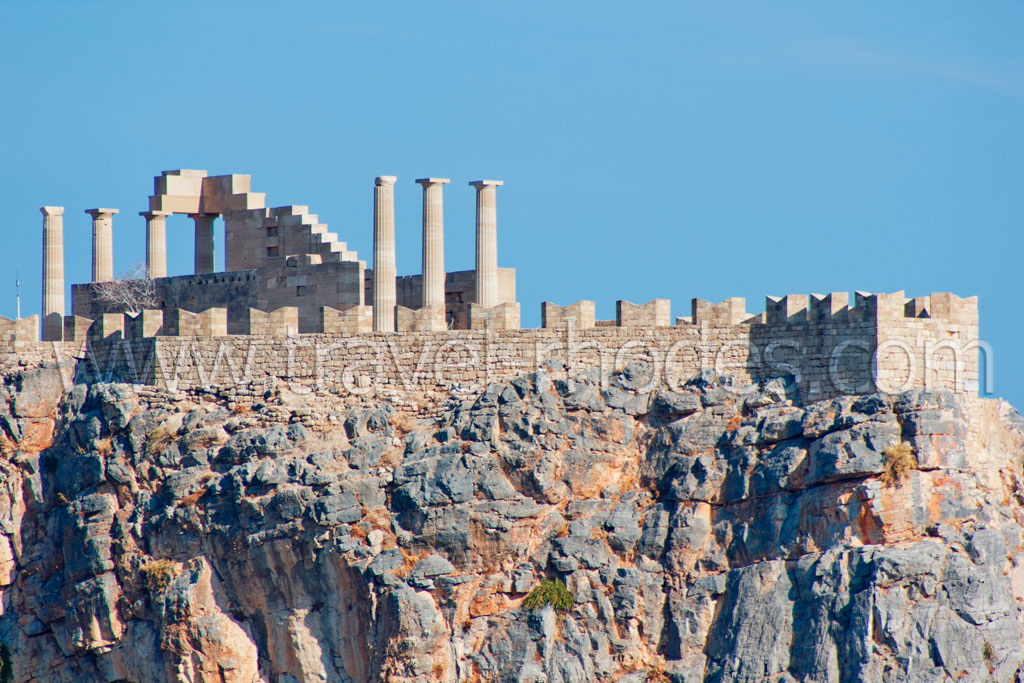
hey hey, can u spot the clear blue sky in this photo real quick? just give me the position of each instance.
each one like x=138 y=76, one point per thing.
x=648 y=150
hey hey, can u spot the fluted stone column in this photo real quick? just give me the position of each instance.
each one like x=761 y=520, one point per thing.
x=433 y=241
x=102 y=244
x=384 y=271
x=53 y=273
x=204 y=241
x=156 y=243
x=486 y=242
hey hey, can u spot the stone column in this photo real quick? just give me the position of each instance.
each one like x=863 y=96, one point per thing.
x=384 y=272
x=102 y=244
x=486 y=242
x=433 y=241
x=156 y=243
x=204 y=241
x=53 y=273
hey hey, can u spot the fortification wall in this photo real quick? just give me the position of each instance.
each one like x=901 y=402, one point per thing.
x=883 y=342
x=828 y=347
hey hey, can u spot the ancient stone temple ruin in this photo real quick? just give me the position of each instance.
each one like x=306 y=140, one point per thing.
x=285 y=259
x=294 y=302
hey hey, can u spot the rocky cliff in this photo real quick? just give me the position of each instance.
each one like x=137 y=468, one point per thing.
x=709 y=534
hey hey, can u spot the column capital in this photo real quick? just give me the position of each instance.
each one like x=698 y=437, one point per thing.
x=96 y=213
x=52 y=210
x=432 y=181
x=385 y=180
x=154 y=214
x=478 y=184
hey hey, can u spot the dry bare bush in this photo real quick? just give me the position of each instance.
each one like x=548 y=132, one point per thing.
x=131 y=292
x=401 y=423
x=157 y=575
x=157 y=440
x=899 y=461
x=191 y=499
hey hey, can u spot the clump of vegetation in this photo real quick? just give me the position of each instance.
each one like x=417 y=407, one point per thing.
x=656 y=672
x=989 y=653
x=104 y=447
x=62 y=500
x=401 y=423
x=550 y=592
x=899 y=461
x=191 y=499
x=157 y=575
x=157 y=440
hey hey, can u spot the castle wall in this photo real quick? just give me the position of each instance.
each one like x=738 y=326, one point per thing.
x=827 y=356
x=883 y=342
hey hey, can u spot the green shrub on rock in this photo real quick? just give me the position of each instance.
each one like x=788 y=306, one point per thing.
x=548 y=592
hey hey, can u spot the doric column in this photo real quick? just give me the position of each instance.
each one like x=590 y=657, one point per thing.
x=102 y=244
x=53 y=273
x=486 y=242
x=384 y=272
x=433 y=241
x=156 y=243
x=204 y=241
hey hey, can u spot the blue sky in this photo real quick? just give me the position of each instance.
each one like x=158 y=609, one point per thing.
x=670 y=150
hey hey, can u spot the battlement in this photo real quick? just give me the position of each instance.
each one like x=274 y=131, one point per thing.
x=23 y=330
x=885 y=342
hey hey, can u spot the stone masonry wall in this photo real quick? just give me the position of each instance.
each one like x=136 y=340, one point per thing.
x=303 y=285
x=826 y=359
x=883 y=342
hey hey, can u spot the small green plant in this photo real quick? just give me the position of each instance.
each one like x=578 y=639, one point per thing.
x=157 y=575
x=62 y=500
x=899 y=461
x=548 y=592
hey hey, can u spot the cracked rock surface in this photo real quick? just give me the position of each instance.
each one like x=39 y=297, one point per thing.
x=712 y=533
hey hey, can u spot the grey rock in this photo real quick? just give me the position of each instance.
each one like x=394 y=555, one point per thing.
x=366 y=451
x=670 y=403
x=852 y=452
x=433 y=565
x=37 y=392
x=623 y=526
x=341 y=508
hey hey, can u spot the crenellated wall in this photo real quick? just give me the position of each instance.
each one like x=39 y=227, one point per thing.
x=884 y=341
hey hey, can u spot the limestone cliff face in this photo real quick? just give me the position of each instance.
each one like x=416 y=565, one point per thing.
x=705 y=535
